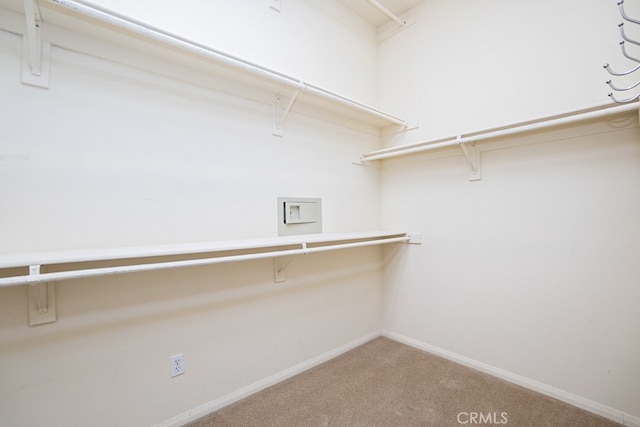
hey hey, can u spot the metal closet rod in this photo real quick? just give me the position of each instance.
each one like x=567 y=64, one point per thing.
x=157 y=34
x=511 y=129
x=106 y=271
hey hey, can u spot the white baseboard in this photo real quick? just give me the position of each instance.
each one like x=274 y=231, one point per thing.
x=247 y=391
x=572 y=399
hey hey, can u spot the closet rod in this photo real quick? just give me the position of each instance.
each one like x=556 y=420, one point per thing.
x=186 y=45
x=512 y=129
x=105 y=271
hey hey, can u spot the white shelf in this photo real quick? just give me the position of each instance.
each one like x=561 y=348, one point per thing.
x=42 y=306
x=121 y=253
x=78 y=16
x=467 y=141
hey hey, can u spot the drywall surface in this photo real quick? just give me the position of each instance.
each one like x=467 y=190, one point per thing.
x=466 y=66
x=114 y=155
x=533 y=269
x=321 y=42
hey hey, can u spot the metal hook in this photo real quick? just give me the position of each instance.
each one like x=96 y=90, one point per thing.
x=612 y=86
x=624 y=73
x=624 y=36
x=623 y=101
x=626 y=55
x=624 y=52
x=624 y=15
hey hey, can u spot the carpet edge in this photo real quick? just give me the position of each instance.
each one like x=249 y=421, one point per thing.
x=564 y=396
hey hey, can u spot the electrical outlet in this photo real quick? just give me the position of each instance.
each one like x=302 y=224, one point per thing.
x=177 y=365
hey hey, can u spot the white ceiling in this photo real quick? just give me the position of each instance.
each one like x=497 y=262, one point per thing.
x=373 y=16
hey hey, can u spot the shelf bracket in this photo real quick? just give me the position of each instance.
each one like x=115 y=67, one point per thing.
x=281 y=264
x=42 y=300
x=473 y=159
x=283 y=112
x=397 y=23
x=391 y=15
x=35 y=53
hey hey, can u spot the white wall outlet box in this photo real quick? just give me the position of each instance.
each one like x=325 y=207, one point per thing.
x=299 y=215
x=176 y=365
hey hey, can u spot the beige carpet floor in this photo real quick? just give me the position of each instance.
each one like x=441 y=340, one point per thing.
x=385 y=383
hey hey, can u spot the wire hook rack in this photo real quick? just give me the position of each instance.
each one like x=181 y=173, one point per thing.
x=622 y=73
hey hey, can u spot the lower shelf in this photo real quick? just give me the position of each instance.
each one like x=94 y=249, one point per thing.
x=251 y=249
x=42 y=306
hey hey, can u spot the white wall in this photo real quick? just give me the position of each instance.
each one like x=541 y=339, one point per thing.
x=156 y=151
x=467 y=66
x=532 y=270
x=114 y=155
x=321 y=42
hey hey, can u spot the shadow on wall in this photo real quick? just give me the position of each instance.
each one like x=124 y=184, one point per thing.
x=110 y=304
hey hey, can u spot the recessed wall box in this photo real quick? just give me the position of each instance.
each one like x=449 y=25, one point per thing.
x=299 y=215
x=301 y=212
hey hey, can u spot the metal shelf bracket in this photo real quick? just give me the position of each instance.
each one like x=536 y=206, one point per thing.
x=473 y=159
x=281 y=264
x=35 y=53
x=283 y=112
x=42 y=300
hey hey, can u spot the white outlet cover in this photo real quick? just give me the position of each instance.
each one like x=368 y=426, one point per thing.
x=299 y=215
x=176 y=366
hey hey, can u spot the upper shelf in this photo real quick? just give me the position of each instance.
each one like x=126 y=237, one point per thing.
x=569 y=117
x=103 y=24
